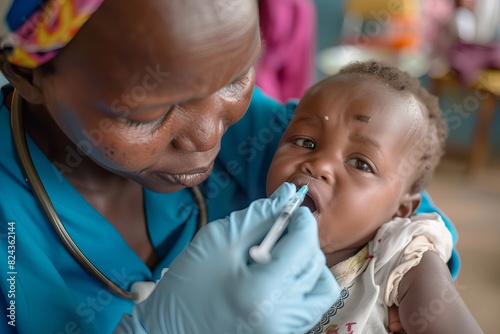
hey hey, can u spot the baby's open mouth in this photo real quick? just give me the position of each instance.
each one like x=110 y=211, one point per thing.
x=311 y=205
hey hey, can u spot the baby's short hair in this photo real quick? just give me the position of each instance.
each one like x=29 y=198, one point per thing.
x=433 y=144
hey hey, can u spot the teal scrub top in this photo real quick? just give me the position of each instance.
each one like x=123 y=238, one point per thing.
x=51 y=292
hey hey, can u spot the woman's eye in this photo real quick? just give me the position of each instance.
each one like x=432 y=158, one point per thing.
x=140 y=125
x=305 y=143
x=360 y=164
x=238 y=86
x=143 y=126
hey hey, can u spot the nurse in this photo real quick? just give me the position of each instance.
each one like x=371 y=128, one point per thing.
x=121 y=107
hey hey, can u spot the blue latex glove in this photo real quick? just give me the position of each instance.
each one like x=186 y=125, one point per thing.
x=213 y=287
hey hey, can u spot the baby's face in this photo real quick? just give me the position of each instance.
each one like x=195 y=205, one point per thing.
x=358 y=139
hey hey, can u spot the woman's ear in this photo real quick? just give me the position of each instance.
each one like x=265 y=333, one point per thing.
x=23 y=80
x=408 y=205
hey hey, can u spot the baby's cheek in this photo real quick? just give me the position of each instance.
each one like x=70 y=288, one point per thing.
x=273 y=180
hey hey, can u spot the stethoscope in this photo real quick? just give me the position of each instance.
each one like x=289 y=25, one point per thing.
x=31 y=174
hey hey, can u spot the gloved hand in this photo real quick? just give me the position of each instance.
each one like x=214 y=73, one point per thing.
x=213 y=287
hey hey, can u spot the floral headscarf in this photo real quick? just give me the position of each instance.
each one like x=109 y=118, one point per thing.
x=32 y=31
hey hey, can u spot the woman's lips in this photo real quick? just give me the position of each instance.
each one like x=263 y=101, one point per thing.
x=189 y=179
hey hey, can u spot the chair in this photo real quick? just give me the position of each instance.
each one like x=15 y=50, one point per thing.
x=487 y=92
x=489 y=82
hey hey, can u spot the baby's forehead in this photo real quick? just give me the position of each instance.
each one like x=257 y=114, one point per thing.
x=368 y=100
x=361 y=82
x=357 y=90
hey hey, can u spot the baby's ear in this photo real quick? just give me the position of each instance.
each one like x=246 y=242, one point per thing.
x=408 y=205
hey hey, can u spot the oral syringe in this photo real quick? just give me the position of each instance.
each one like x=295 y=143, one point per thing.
x=262 y=252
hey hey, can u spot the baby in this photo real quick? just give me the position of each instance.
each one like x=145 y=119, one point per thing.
x=370 y=137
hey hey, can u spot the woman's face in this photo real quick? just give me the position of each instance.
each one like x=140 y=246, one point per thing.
x=147 y=89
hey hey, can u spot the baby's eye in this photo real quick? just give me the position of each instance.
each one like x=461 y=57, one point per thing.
x=304 y=142
x=360 y=164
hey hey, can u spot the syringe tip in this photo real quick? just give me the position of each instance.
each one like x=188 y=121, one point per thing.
x=310 y=178
x=303 y=190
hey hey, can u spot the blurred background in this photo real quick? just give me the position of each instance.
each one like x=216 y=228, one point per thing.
x=453 y=47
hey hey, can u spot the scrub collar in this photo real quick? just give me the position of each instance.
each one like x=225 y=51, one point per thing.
x=33 y=31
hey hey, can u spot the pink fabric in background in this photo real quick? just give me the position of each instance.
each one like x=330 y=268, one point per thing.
x=434 y=21
x=287 y=67
x=470 y=59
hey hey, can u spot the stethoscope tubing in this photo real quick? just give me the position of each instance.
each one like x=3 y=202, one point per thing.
x=19 y=138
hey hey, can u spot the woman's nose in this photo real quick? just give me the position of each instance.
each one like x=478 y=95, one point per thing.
x=202 y=136
x=203 y=129
x=320 y=169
